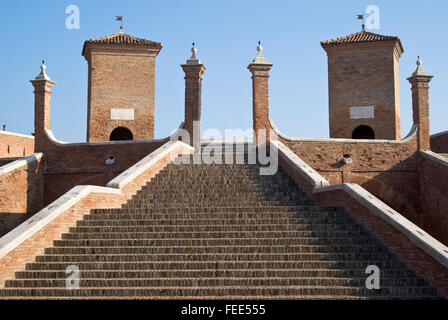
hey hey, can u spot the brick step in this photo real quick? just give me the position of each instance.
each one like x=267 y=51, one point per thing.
x=215 y=222
x=185 y=202
x=214 y=201
x=208 y=228
x=225 y=195
x=216 y=209
x=236 y=273
x=214 y=282
x=215 y=265
x=212 y=242
x=210 y=235
x=188 y=192
x=216 y=257
x=221 y=215
x=241 y=291
x=342 y=248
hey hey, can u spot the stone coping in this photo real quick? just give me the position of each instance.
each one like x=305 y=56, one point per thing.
x=435 y=156
x=418 y=236
x=141 y=166
x=8 y=133
x=50 y=136
x=308 y=173
x=410 y=135
x=7 y=168
x=31 y=226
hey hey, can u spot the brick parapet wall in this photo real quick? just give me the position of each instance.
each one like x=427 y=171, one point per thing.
x=21 y=191
x=386 y=168
x=15 y=145
x=71 y=164
x=21 y=245
x=435 y=194
x=427 y=256
x=439 y=142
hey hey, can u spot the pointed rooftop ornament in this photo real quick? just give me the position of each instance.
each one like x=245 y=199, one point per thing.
x=259 y=59
x=419 y=71
x=42 y=75
x=193 y=59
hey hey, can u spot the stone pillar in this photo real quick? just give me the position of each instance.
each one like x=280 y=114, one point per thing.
x=259 y=68
x=420 y=104
x=42 y=94
x=194 y=70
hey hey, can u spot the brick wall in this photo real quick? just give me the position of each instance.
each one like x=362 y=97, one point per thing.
x=120 y=78
x=435 y=197
x=439 y=142
x=387 y=169
x=15 y=145
x=21 y=191
x=425 y=265
x=37 y=240
x=68 y=165
x=364 y=74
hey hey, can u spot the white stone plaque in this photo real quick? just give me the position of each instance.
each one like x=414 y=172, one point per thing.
x=122 y=114
x=366 y=112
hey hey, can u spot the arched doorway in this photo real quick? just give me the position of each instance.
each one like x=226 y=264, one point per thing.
x=363 y=132
x=121 y=133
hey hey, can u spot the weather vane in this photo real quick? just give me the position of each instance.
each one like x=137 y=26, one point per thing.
x=120 y=18
x=361 y=17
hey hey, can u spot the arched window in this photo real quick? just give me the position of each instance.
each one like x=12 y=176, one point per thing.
x=363 y=132
x=121 y=133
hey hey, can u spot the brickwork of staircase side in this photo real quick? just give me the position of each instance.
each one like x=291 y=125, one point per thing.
x=218 y=232
x=425 y=265
x=35 y=245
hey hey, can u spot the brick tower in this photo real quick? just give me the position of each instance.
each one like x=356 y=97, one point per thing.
x=364 y=100
x=121 y=87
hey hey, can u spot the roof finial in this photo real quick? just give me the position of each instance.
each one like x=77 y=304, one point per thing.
x=259 y=58
x=419 y=71
x=120 y=18
x=42 y=75
x=193 y=59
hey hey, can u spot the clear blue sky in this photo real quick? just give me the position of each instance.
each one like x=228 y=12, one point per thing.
x=226 y=33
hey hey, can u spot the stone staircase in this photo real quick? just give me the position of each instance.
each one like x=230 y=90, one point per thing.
x=218 y=231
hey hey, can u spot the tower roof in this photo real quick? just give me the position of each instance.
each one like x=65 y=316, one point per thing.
x=360 y=37
x=122 y=39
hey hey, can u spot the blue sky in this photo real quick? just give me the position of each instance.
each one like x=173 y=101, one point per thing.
x=226 y=33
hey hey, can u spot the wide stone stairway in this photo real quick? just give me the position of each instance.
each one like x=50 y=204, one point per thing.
x=218 y=231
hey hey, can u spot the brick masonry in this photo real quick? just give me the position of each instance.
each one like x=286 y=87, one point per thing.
x=364 y=74
x=120 y=77
x=14 y=145
x=24 y=253
x=439 y=142
x=425 y=265
x=21 y=191
x=435 y=197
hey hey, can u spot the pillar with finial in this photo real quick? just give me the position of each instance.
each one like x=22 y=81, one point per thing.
x=420 y=104
x=42 y=94
x=194 y=69
x=259 y=67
